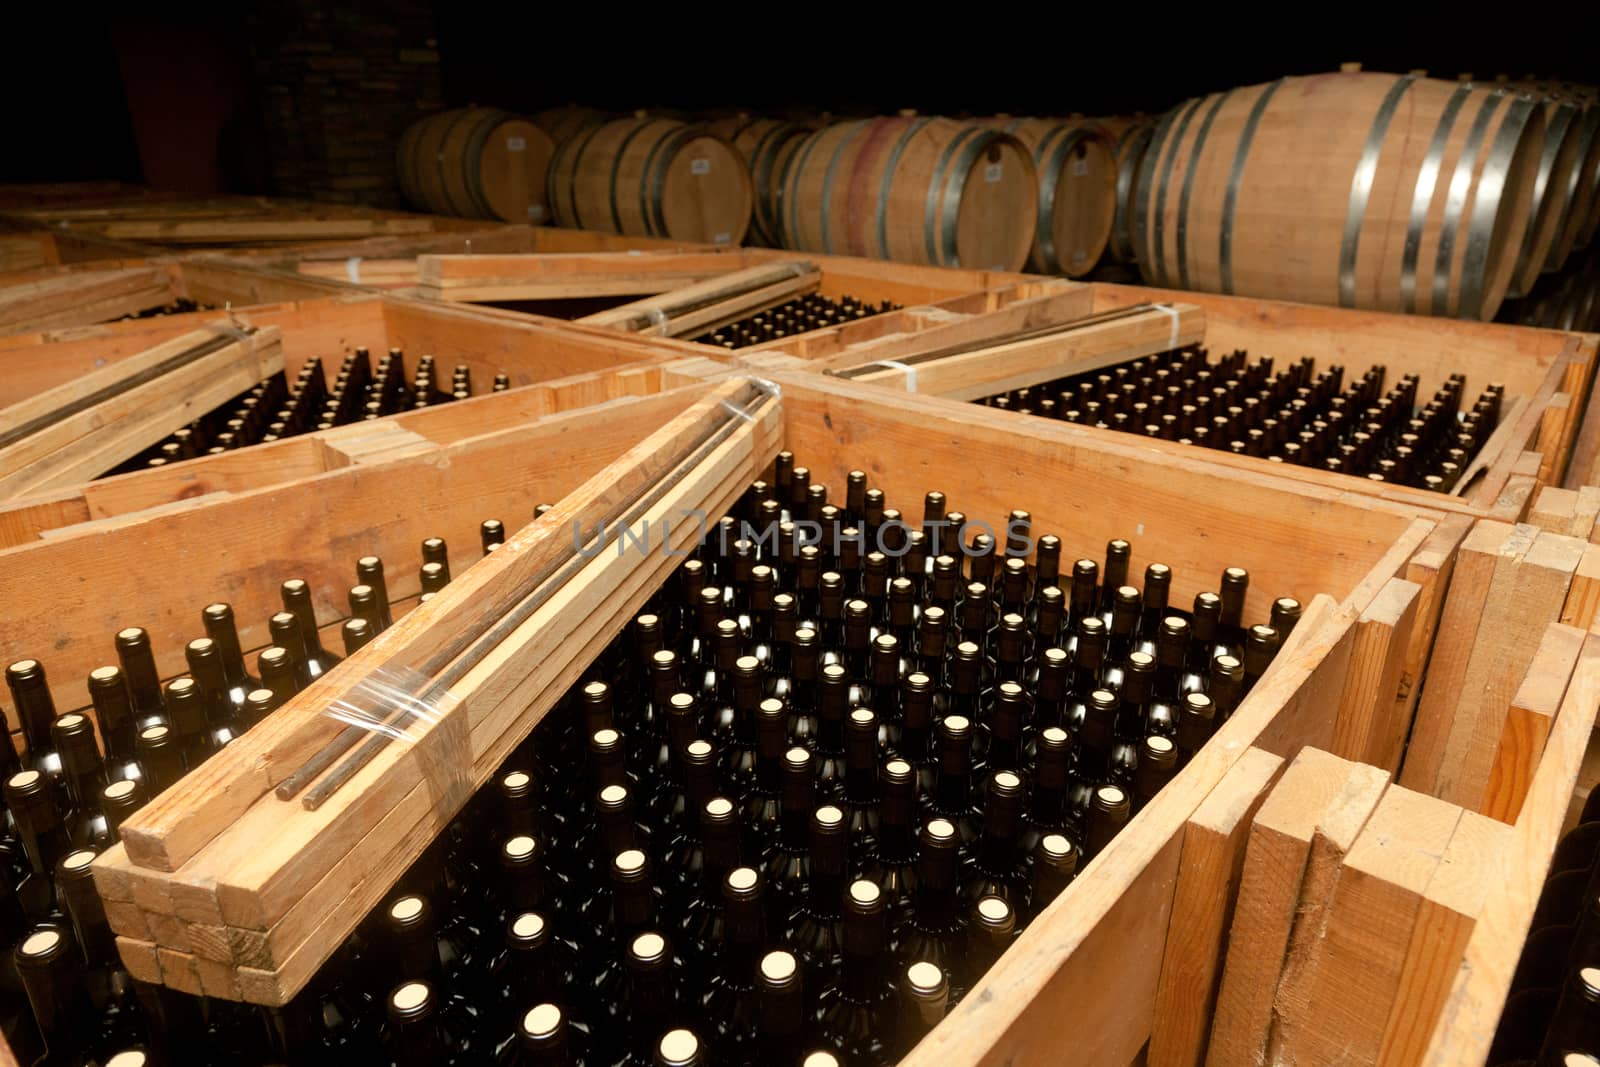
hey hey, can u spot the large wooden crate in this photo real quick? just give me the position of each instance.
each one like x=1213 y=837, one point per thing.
x=1096 y=953
x=330 y=325
x=1547 y=374
x=145 y=550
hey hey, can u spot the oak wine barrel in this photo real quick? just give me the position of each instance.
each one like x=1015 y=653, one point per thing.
x=912 y=189
x=767 y=145
x=1390 y=192
x=1552 y=193
x=652 y=177
x=1075 y=161
x=1132 y=138
x=477 y=163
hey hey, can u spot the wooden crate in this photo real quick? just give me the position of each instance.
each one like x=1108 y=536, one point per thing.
x=1547 y=374
x=147 y=551
x=331 y=325
x=1099 y=947
x=24 y=248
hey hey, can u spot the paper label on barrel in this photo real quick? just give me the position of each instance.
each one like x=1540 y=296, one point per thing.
x=536 y=212
x=1080 y=167
x=1078 y=257
x=992 y=172
x=700 y=166
x=515 y=144
x=721 y=238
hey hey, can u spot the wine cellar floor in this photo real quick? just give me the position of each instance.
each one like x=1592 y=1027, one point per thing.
x=329 y=810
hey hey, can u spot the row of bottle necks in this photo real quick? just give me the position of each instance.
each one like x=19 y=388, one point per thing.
x=276 y=408
x=1296 y=416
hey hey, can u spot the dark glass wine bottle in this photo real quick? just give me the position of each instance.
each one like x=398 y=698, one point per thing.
x=36 y=710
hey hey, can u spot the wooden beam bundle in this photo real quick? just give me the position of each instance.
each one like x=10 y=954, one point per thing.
x=281 y=910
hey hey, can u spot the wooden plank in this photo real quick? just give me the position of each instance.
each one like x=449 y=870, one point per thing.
x=1275 y=864
x=139 y=957
x=1466 y=1025
x=1528 y=720
x=1372 y=727
x=76 y=442
x=1004 y=366
x=82 y=297
x=1450 y=907
x=1582 y=604
x=1553 y=438
x=1556 y=510
x=1336 y=832
x=703 y=305
x=1354 y=976
x=1208 y=883
x=935 y=332
x=1525 y=595
x=246 y=231
x=485 y=278
x=1481 y=550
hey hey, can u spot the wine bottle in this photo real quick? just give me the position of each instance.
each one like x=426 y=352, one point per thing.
x=855 y=1008
x=36 y=710
x=139 y=670
x=924 y=996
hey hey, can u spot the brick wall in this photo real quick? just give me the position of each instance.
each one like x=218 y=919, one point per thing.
x=338 y=89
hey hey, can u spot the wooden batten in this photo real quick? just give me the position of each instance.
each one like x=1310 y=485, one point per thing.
x=81 y=429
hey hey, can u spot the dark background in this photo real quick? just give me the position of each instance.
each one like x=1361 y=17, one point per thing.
x=299 y=98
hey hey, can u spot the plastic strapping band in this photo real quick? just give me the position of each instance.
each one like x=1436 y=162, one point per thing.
x=1172 y=315
x=401 y=706
x=352 y=269
x=894 y=364
x=657 y=317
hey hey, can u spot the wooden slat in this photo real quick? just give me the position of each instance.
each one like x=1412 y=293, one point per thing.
x=80 y=297
x=67 y=442
x=1528 y=719
x=1525 y=595
x=1275 y=865
x=1481 y=550
x=1372 y=723
x=1011 y=365
x=1449 y=910
x=484 y=278
x=1466 y=1025
x=701 y=306
x=1582 y=604
x=1208 y=883
x=1360 y=952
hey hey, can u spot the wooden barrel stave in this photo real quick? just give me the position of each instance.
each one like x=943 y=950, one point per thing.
x=1131 y=145
x=1558 y=161
x=766 y=146
x=1347 y=189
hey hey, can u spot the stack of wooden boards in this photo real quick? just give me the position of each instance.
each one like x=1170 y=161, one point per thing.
x=1362 y=921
